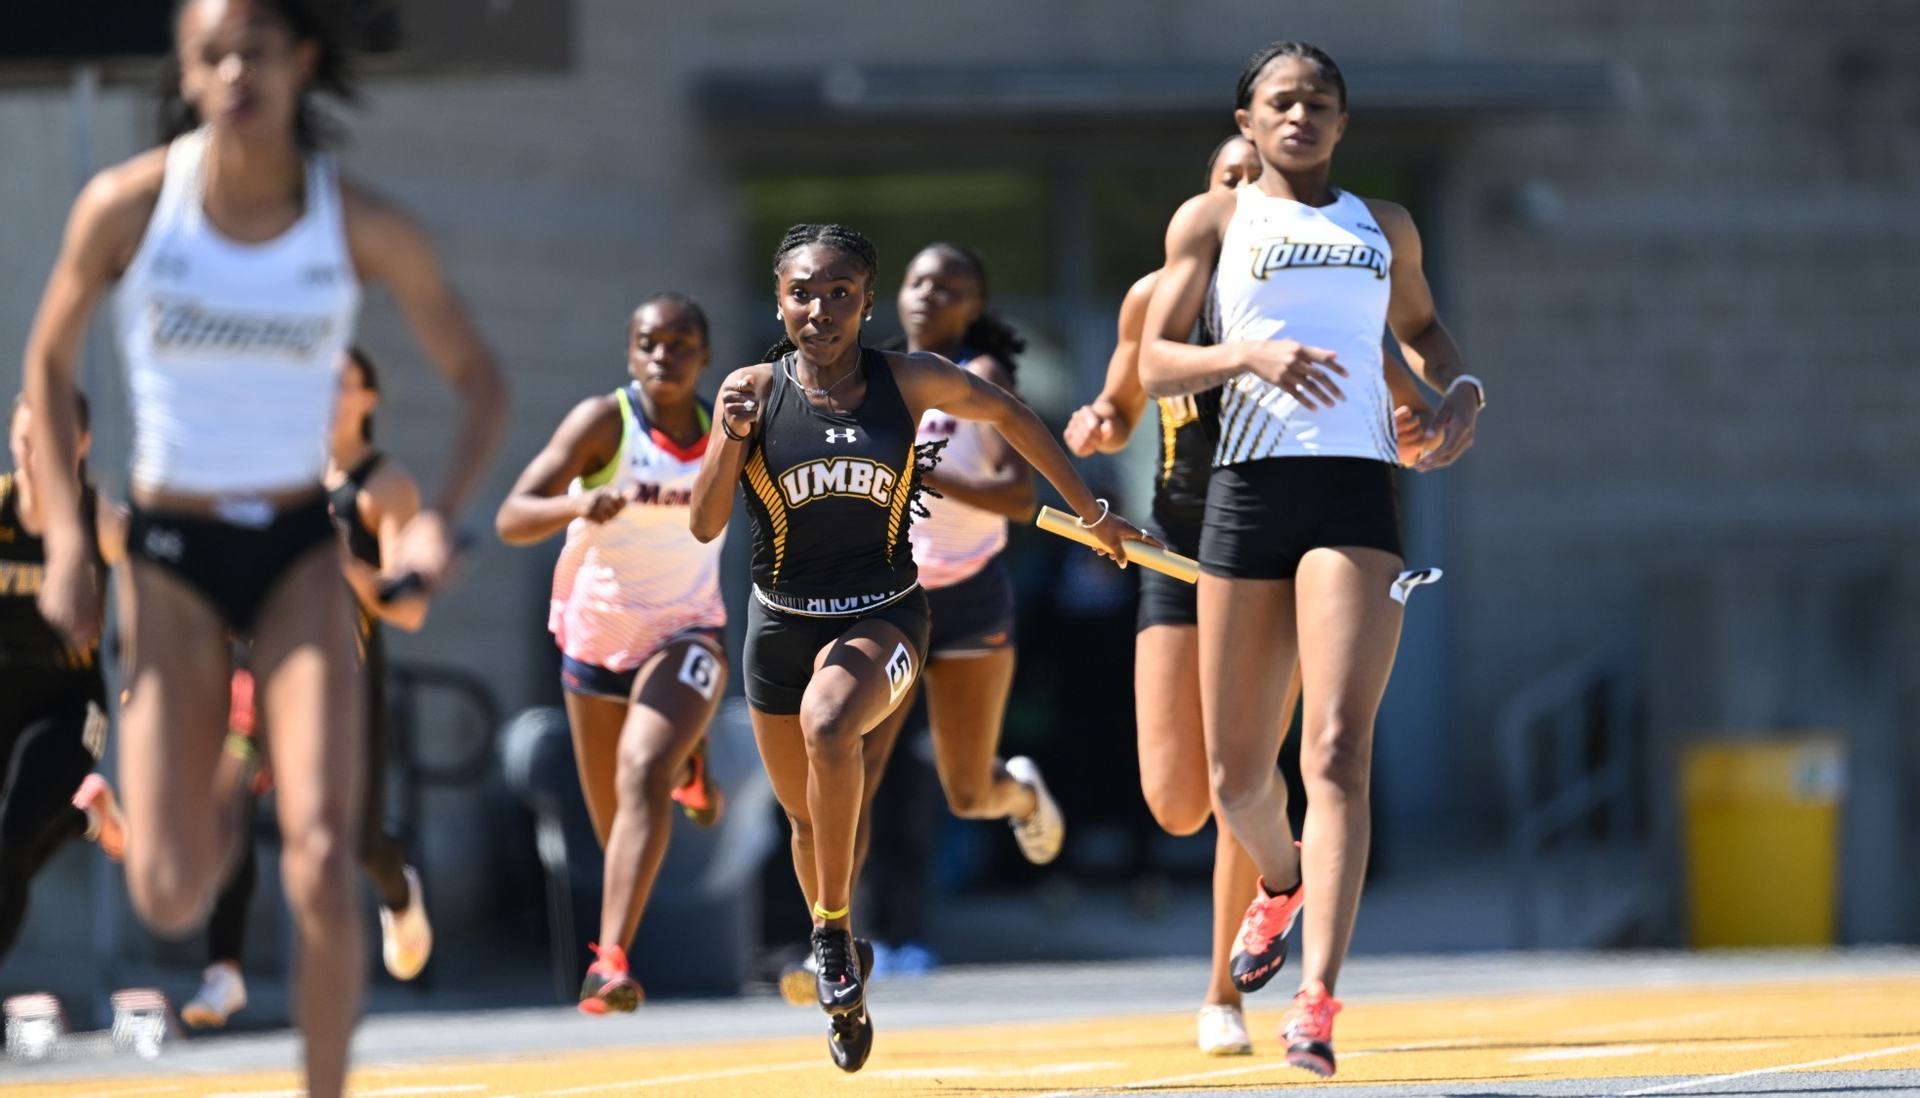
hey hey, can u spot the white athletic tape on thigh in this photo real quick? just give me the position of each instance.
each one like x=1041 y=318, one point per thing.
x=1404 y=586
x=899 y=670
x=700 y=670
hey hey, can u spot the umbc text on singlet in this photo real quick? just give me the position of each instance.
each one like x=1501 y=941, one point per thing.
x=859 y=478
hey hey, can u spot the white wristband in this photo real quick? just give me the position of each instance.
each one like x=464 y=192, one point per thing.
x=1467 y=379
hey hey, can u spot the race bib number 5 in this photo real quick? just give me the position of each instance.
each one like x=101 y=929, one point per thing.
x=899 y=670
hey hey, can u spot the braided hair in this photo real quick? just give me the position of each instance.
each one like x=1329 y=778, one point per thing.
x=989 y=334
x=851 y=243
x=314 y=21
x=1274 y=51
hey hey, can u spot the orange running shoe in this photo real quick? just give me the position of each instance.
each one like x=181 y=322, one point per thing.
x=700 y=798
x=106 y=824
x=1261 y=947
x=608 y=987
x=1308 y=1029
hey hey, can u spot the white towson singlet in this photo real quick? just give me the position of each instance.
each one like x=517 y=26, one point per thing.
x=232 y=350
x=627 y=586
x=955 y=540
x=1290 y=271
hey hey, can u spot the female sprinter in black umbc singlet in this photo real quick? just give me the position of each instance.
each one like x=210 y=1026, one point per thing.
x=1300 y=546
x=1166 y=666
x=823 y=440
x=240 y=254
x=53 y=720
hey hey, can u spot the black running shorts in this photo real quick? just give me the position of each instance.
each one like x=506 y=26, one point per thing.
x=1163 y=599
x=782 y=646
x=973 y=617
x=1263 y=516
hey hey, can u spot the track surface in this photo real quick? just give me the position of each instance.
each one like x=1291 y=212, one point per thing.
x=1832 y=1023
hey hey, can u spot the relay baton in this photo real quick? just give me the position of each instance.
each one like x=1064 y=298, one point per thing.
x=1185 y=569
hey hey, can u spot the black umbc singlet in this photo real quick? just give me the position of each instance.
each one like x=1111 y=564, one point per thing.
x=830 y=496
x=27 y=642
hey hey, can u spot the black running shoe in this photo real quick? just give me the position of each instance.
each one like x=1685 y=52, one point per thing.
x=840 y=988
x=797 y=979
x=850 y=1039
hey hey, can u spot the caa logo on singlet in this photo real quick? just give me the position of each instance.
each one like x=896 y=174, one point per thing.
x=1284 y=254
x=856 y=477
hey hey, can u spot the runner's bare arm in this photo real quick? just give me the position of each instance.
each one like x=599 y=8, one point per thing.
x=538 y=506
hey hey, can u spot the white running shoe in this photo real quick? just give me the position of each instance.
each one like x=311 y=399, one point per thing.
x=1040 y=834
x=223 y=993
x=406 y=939
x=1223 y=1031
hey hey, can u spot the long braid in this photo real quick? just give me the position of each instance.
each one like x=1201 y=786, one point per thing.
x=848 y=242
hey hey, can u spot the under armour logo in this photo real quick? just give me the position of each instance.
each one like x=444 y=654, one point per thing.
x=846 y=435
x=162 y=543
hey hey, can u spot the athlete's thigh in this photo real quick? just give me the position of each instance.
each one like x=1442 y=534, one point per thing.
x=1166 y=697
x=966 y=704
x=674 y=697
x=1247 y=654
x=863 y=673
x=172 y=729
x=596 y=723
x=683 y=683
x=307 y=672
x=46 y=766
x=783 y=750
x=1349 y=632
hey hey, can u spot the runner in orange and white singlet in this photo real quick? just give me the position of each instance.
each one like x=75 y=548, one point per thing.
x=636 y=611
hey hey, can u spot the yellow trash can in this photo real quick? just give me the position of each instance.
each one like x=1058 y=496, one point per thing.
x=1762 y=822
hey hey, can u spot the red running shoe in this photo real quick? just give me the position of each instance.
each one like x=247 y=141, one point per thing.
x=608 y=987
x=1308 y=1029
x=1261 y=947
x=700 y=798
x=106 y=824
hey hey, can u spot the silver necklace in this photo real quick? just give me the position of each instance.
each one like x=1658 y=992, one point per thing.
x=828 y=391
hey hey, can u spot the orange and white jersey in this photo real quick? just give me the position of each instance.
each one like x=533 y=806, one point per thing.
x=954 y=541
x=625 y=587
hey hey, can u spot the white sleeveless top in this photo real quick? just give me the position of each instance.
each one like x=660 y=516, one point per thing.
x=232 y=350
x=954 y=541
x=1319 y=276
x=624 y=587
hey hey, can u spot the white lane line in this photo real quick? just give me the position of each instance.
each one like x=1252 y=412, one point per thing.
x=1709 y=1080
x=452 y=1088
x=145 y=1090
x=1583 y=1052
x=690 y=1077
x=974 y=1071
